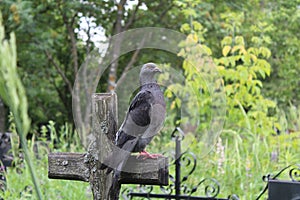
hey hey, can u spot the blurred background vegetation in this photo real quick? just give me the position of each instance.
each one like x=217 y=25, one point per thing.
x=255 y=46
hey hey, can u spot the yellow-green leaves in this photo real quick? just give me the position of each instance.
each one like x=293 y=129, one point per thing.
x=243 y=70
x=227 y=40
x=226 y=50
x=265 y=52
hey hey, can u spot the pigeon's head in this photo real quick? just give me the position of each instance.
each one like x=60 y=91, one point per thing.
x=147 y=73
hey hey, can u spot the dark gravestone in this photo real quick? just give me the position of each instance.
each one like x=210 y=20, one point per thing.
x=5 y=157
x=283 y=190
x=2 y=116
x=5 y=146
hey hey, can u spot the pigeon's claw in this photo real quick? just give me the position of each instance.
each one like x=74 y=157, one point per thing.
x=146 y=155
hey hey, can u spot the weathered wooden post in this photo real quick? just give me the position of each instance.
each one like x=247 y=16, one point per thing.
x=86 y=166
x=104 y=123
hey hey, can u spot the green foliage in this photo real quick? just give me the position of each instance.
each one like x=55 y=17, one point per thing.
x=243 y=70
x=253 y=45
x=247 y=147
x=49 y=36
x=284 y=18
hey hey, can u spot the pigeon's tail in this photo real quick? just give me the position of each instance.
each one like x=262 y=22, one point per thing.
x=104 y=166
x=115 y=185
x=114 y=160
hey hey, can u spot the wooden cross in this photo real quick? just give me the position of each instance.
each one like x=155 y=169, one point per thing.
x=86 y=166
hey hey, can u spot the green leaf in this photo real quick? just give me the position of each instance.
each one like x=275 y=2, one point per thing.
x=247 y=59
x=226 y=41
x=255 y=40
x=262 y=73
x=206 y=49
x=197 y=26
x=226 y=50
x=258 y=82
x=189 y=12
x=265 y=52
x=185 y=28
x=239 y=40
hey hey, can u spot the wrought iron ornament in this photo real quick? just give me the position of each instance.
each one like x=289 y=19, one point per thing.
x=178 y=187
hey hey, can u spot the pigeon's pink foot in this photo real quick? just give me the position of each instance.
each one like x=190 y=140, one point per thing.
x=145 y=155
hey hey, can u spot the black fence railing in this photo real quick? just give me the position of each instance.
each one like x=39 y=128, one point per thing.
x=178 y=187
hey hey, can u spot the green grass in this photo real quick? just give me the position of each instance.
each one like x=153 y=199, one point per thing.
x=238 y=162
x=19 y=184
x=241 y=158
x=246 y=157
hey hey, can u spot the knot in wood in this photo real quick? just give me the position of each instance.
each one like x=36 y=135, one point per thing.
x=65 y=163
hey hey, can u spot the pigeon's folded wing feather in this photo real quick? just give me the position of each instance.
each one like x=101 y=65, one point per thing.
x=135 y=124
x=139 y=109
x=137 y=119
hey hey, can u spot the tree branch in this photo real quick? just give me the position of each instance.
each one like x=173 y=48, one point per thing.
x=88 y=41
x=118 y=24
x=59 y=92
x=136 y=53
x=132 y=18
x=133 y=59
x=59 y=70
x=69 y=26
x=164 y=12
x=112 y=77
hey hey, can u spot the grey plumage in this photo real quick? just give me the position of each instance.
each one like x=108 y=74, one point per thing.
x=143 y=120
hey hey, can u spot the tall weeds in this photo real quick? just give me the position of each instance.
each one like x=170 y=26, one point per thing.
x=13 y=94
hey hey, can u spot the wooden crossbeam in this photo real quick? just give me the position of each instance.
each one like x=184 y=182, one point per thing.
x=75 y=166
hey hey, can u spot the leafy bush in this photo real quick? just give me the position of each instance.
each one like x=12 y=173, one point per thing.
x=249 y=145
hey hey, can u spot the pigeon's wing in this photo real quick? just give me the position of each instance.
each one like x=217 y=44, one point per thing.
x=139 y=109
x=137 y=119
x=134 y=126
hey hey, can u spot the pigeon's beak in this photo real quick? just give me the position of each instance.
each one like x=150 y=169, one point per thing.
x=156 y=69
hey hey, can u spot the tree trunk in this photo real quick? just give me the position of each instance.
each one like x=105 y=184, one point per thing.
x=116 y=48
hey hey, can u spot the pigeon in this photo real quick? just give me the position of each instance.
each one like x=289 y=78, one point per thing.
x=145 y=115
x=142 y=122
